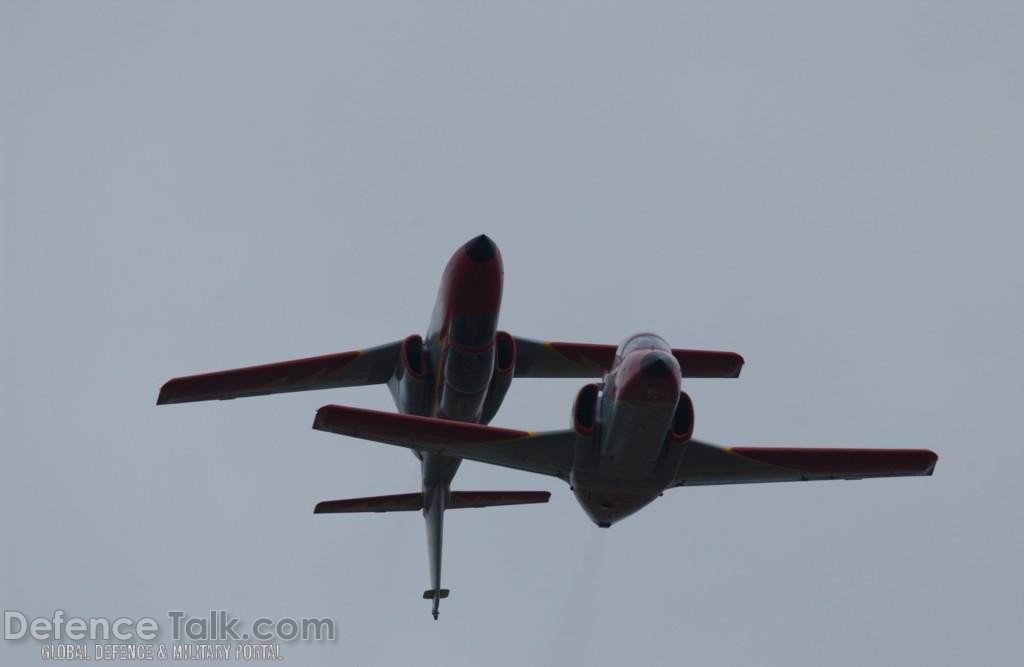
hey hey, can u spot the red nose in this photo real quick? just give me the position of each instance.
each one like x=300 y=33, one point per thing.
x=473 y=279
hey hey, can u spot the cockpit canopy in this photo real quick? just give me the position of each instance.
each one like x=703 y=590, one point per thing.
x=641 y=341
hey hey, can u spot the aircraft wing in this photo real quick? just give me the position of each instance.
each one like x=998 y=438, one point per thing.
x=345 y=369
x=552 y=359
x=704 y=464
x=548 y=453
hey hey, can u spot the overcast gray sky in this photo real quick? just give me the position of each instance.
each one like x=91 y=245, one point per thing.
x=832 y=189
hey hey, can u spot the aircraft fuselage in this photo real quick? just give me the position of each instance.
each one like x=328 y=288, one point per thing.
x=452 y=375
x=630 y=452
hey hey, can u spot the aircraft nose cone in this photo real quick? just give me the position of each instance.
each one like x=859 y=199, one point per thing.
x=654 y=365
x=481 y=249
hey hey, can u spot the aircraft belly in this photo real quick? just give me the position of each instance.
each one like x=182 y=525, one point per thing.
x=438 y=470
x=609 y=503
x=634 y=437
x=634 y=466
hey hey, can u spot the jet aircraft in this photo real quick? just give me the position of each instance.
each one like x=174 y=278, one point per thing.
x=631 y=435
x=631 y=439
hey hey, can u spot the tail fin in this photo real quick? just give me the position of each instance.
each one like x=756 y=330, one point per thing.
x=462 y=499
x=402 y=502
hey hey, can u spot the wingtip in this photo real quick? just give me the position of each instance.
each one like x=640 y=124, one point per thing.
x=739 y=364
x=325 y=507
x=165 y=396
x=320 y=419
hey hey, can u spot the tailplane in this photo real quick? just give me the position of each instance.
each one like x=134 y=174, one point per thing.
x=401 y=502
x=410 y=502
x=462 y=499
x=440 y=500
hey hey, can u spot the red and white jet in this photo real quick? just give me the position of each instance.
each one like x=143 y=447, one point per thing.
x=631 y=434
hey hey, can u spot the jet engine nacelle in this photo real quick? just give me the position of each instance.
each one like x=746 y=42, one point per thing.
x=585 y=410
x=411 y=386
x=504 y=370
x=682 y=420
x=585 y=422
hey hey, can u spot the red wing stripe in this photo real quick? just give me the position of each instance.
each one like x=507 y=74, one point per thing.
x=844 y=461
x=407 y=429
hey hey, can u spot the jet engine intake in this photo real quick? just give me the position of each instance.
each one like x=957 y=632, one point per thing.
x=411 y=385
x=585 y=409
x=682 y=419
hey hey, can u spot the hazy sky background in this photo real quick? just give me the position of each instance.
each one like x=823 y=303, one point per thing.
x=832 y=189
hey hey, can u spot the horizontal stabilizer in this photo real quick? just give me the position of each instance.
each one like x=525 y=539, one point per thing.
x=331 y=371
x=704 y=463
x=548 y=453
x=462 y=499
x=552 y=359
x=401 y=502
x=410 y=502
x=429 y=593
